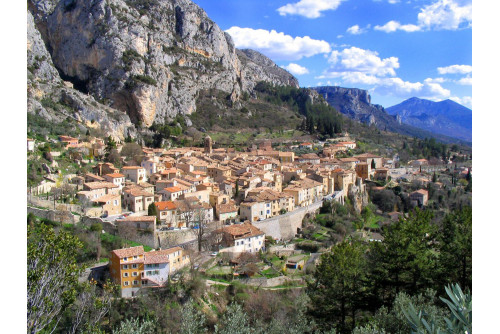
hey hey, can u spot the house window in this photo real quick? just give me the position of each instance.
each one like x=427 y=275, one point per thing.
x=135 y=282
x=125 y=266
x=125 y=283
x=125 y=274
x=124 y=259
x=134 y=273
x=135 y=257
x=144 y=282
x=134 y=266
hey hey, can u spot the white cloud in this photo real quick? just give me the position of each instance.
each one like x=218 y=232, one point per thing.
x=435 y=80
x=392 y=2
x=466 y=81
x=446 y=15
x=296 y=69
x=392 y=26
x=356 y=30
x=277 y=45
x=393 y=86
x=405 y=89
x=309 y=8
x=466 y=100
x=365 y=61
x=440 y=15
x=455 y=69
x=355 y=66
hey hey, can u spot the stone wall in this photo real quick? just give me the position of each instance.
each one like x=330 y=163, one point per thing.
x=167 y=239
x=268 y=282
x=285 y=226
x=64 y=217
x=106 y=226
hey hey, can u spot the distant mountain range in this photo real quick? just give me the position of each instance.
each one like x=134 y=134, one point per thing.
x=446 y=117
x=356 y=104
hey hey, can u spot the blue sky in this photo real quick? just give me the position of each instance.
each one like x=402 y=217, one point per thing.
x=396 y=49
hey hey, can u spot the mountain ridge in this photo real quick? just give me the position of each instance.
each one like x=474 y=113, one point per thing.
x=444 y=117
x=356 y=104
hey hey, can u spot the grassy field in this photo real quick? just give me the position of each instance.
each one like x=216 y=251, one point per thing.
x=110 y=238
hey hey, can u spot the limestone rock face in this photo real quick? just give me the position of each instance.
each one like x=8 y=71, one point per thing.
x=44 y=82
x=257 y=67
x=148 y=58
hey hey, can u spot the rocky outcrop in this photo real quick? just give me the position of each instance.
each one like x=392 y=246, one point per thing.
x=257 y=67
x=353 y=102
x=149 y=58
x=45 y=84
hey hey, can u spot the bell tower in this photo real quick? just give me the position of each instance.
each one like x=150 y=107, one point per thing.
x=208 y=145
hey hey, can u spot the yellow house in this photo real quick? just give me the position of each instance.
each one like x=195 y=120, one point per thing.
x=133 y=268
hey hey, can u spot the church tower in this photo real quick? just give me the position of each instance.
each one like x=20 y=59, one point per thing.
x=208 y=145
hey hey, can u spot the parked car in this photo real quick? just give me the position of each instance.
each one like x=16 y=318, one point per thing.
x=214 y=253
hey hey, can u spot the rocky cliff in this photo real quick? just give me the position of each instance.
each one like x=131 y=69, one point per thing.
x=147 y=58
x=55 y=100
x=355 y=103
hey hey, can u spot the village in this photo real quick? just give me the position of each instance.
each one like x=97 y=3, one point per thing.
x=226 y=213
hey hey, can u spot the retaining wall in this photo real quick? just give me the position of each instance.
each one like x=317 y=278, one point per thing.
x=268 y=282
x=64 y=217
x=285 y=226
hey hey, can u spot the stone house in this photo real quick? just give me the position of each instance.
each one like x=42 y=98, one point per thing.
x=111 y=204
x=134 y=269
x=116 y=178
x=419 y=197
x=166 y=213
x=135 y=174
x=137 y=200
x=240 y=238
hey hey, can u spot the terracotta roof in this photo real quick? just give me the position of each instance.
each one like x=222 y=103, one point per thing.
x=105 y=198
x=239 y=231
x=155 y=257
x=139 y=219
x=309 y=156
x=226 y=208
x=132 y=167
x=115 y=175
x=100 y=185
x=138 y=192
x=97 y=177
x=173 y=189
x=127 y=252
x=367 y=155
x=165 y=205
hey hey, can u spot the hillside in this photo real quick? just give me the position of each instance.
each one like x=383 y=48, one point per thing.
x=445 y=117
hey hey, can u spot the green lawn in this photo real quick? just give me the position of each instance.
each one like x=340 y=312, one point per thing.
x=110 y=238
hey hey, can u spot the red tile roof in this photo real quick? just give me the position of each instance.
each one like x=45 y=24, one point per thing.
x=239 y=231
x=165 y=205
x=115 y=175
x=139 y=219
x=127 y=252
